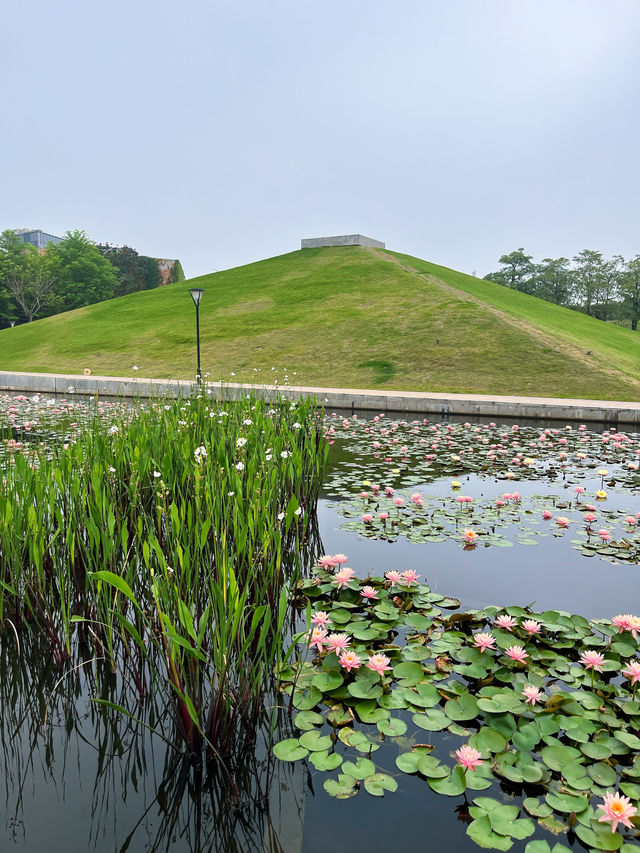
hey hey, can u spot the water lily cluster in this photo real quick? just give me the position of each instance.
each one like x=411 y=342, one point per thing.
x=386 y=450
x=539 y=710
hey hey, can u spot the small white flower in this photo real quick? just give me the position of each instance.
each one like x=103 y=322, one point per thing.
x=298 y=511
x=113 y=429
x=247 y=421
x=167 y=408
x=157 y=474
x=268 y=457
x=241 y=442
x=284 y=453
x=232 y=373
x=297 y=425
x=230 y=494
x=113 y=470
x=280 y=516
x=200 y=453
x=240 y=466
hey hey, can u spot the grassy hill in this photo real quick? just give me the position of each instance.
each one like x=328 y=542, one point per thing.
x=346 y=317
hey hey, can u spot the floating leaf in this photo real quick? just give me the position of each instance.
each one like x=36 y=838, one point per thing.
x=453 y=785
x=325 y=760
x=342 y=788
x=290 y=750
x=315 y=742
x=359 y=769
x=392 y=727
x=480 y=831
x=378 y=783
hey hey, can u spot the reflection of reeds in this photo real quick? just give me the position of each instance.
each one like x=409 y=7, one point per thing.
x=172 y=563
x=173 y=794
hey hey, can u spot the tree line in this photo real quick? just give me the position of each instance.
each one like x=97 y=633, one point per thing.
x=68 y=275
x=608 y=289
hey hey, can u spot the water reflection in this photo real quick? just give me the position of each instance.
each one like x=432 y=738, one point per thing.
x=86 y=777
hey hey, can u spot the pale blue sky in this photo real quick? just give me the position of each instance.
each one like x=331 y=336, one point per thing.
x=223 y=132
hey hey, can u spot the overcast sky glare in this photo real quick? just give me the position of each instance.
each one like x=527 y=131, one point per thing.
x=223 y=132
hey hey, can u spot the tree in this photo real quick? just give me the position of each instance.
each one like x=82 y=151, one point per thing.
x=12 y=257
x=82 y=275
x=553 y=280
x=587 y=278
x=517 y=272
x=609 y=287
x=135 y=272
x=31 y=284
x=630 y=290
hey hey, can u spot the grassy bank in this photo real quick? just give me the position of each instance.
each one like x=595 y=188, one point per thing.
x=351 y=317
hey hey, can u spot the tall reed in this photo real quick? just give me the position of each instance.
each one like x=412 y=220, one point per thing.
x=163 y=538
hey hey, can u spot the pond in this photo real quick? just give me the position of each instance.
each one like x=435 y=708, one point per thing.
x=496 y=516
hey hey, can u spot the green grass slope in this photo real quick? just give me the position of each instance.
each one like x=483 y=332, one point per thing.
x=346 y=317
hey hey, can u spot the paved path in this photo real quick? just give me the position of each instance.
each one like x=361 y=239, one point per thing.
x=419 y=402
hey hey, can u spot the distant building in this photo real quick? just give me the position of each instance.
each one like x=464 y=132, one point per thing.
x=37 y=237
x=343 y=240
x=170 y=270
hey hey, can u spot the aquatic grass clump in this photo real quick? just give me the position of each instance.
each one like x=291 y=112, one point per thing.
x=163 y=538
x=539 y=708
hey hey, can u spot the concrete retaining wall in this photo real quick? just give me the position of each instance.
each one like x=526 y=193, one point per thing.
x=471 y=405
x=343 y=240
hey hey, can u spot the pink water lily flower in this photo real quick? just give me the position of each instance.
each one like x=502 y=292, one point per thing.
x=409 y=577
x=547 y=514
x=379 y=663
x=343 y=577
x=531 y=626
x=592 y=660
x=393 y=576
x=318 y=638
x=349 y=660
x=368 y=592
x=468 y=757
x=517 y=653
x=506 y=622
x=563 y=521
x=632 y=671
x=320 y=618
x=604 y=534
x=589 y=517
x=532 y=694
x=383 y=516
x=617 y=809
x=338 y=642
x=367 y=518
x=627 y=622
x=469 y=536
x=484 y=641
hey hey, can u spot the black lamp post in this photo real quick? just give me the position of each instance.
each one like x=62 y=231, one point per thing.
x=196 y=295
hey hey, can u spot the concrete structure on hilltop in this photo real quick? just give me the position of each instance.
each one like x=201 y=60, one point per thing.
x=343 y=240
x=37 y=237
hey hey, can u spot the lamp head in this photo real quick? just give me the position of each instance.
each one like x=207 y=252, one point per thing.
x=196 y=294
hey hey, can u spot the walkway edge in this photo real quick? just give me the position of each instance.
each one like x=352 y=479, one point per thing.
x=472 y=405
